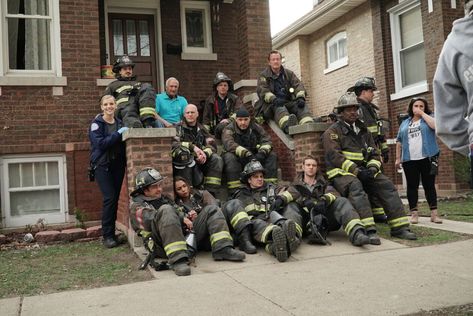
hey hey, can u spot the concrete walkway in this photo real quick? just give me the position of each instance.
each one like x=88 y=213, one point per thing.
x=390 y=279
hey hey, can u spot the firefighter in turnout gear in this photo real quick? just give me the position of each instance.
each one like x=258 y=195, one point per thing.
x=221 y=106
x=364 y=89
x=207 y=221
x=281 y=95
x=354 y=167
x=193 y=138
x=253 y=211
x=135 y=100
x=153 y=213
x=244 y=140
x=317 y=208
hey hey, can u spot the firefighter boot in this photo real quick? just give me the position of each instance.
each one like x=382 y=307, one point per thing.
x=374 y=238
x=360 y=238
x=403 y=233
x=228 y=253
x=278 y=245
x=181 y=268
x=291 y=121
x=289 y=227
x=244 y=241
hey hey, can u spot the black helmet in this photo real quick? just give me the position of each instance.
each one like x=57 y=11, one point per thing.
x=182 y=158
x=122 y=62
x=346 y=100
x=250 y=168
x=145 y=178
x=364 y=83
x=221 y=77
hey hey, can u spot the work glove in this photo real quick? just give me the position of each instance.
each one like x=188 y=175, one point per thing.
x=279 y=102
x=277 y=204
x=260 y=156
x=385 y=155
x=149 y=122
x=365 y=175
x=300 y=102
x=123 y=129
x=309 y=204
x=320 y=207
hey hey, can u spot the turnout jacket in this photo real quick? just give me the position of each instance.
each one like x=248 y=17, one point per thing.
x=266 y=88
x=369 y=116
x=190 y=136
x=253 y=199
x=346 y=151
x=244 y=142
x=197 y=201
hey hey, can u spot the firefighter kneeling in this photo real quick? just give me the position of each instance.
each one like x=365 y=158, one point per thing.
x=252 y=214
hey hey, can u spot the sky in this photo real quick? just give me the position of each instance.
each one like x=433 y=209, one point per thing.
x=283 y=12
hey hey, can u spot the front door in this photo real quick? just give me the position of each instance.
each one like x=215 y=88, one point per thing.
x=133 y=35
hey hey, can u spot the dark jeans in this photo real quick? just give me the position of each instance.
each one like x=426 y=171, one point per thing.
x=414 y=171
x=110 y=181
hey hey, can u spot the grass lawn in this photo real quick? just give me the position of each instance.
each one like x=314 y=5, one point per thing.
x=64 y=267
x=458 y=210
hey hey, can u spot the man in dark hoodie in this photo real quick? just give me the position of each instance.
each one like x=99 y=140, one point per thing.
x=453 y=87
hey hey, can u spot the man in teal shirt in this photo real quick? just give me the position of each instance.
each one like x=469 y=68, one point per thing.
x=169 y=105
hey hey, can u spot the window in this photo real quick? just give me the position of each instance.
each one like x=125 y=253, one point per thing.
x=337 y=56
x=408 y=49
x=196 y=30
x=30 y=38
x=33 y=188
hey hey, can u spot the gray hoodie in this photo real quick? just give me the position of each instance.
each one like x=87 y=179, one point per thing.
x=453 y=88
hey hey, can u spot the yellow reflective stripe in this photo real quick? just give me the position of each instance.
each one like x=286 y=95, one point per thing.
x=122 y=100
x=207 y=127
x=266 y=231
x=212 y=180
x=288 y=196
x=346 y=165
x=255 y=207
x=144 y=233
x=271 y=180
x=372 y=128
x=233 y=184
x=208 y=151
x=283 y=120
x=233 y=116
x=219 y=236
x=147 y=110
x=175 y=246
x=384 y=146
x=378 y=211
x=240 y=216
x=241 y=151
x=352 y=224
x=268 y=97
x=330 y=197
x=123 y=88
x=397 y=222
x=299 y=230
x=265 y=147
x=337 y=171
x=267 y=249
x=374 y=163
x=369 y=221
x=306 y=120
x=185 y=144
x=300 y=94
x=352 y=155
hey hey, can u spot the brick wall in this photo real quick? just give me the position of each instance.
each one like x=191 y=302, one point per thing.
x=285 y=155
x=307 y=141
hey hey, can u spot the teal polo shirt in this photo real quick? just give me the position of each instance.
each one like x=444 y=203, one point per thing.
x=172 y=110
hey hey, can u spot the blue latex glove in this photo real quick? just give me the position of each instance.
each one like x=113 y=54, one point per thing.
x=121 y=130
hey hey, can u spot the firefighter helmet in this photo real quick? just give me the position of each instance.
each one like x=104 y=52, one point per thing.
x=221 y=77
x=346 y=100
x=364 y=83
x=122 y=62
x=250 y=168
x=145 y=178
x=182 y=158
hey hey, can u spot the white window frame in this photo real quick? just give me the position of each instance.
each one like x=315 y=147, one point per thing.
x=341 y=62
x=15 y=77
x=419 y=87
x=51 y=218
x=197 y=53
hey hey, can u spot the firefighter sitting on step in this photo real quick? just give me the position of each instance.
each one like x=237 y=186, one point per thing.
x=354 y=168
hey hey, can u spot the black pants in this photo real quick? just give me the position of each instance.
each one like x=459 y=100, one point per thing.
x=414 y=171
x=110 y=181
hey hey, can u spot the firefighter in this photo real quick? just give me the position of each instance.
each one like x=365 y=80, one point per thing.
x=208 y=221
x=317 y=208
x=364 y=89
x=193 y=137
x=135 y=100
x=221 y=106
x=281 y=95
x=354 y=167
x=251 y=211
x=152 y=211
x=244 y=140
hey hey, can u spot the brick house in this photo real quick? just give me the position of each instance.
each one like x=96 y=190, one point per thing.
x=51 y=57
x=396 y=41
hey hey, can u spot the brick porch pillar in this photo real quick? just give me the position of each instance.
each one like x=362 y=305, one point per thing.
x=145 y=147
x=307 y=142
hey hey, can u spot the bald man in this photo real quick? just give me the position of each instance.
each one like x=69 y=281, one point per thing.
x=195 y=153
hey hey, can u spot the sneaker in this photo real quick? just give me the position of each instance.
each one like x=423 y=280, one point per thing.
x=403 y=233
x=289 y=227
x=374 y=238
x=278 y=246
x=361 y=238
x=109 y=242
x=228 y=253
x=291 y=121
x=181 y=268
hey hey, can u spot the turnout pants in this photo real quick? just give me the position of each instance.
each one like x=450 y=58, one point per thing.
x=211 y=229
x=281 y=114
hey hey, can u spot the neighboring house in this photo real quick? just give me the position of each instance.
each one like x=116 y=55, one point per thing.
x=50 y=82
x=396 y=41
